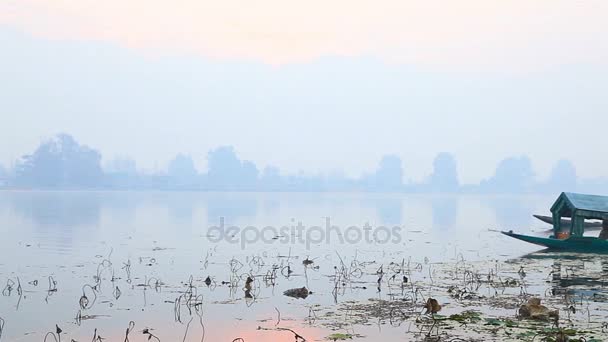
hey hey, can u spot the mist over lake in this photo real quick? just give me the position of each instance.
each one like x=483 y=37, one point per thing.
x=318 y=171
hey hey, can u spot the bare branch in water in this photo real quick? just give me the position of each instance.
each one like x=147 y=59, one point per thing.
x=298 y=337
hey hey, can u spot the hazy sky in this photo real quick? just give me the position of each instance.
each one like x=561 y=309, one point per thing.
x=314 y=85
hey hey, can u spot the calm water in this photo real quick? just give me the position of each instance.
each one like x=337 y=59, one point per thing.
x=57 y=245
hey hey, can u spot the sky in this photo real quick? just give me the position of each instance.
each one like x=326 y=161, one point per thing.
x=315 y=86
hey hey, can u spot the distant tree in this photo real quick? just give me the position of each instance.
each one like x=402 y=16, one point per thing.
x=563 y=176
x=249 y=175
x=513 y=175
x=305 y=182
x=228 y=172
x=445 y=174
x=3 y=176
x=182 y=166
x=224 y=167
x=271 y=179
x=60 y=162
x=337 y=180
x=121 y=165
x=182 y=172
x=121 y=173
x=389 y=175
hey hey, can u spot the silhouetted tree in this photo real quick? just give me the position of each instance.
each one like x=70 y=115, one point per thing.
x=121 y=173
x=249 y=176
x=224 y=167
x=60 y=162
x=271 y=179
x=305 y=182
x=445 y=174
x=228 y=172
x=513 y=175
x=3 y=176
x=182 y=172
x=389 y=175
x=122 y=165
x=337 y=180
x=563 y=176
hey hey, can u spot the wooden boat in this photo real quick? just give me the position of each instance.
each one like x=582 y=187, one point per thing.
x=569 y=234
x=573 y=244
x=567 y=222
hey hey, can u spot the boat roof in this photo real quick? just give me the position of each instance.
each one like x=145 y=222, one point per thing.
x=575 y=201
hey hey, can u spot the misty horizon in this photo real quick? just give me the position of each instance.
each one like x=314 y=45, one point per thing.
x=302 y=115
x=63 y=162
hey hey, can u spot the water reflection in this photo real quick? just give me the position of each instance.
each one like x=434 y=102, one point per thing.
x=57 y=209
x=444 y=211
x=581 y=274
x=511 y=212
x=271 y=204
x=181 y=206
x=574 y=278
x=231 y=206
x=390 y=210
x=160 y=216
x=157 y=213
x=122 y=205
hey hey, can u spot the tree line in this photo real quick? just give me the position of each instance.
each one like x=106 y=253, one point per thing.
x=63 y=163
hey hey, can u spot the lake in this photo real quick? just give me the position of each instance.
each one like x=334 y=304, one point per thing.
x=214 y=266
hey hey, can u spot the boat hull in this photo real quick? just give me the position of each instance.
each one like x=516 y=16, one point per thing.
x=575 y=244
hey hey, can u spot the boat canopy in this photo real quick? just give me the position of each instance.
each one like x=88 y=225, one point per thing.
x=579 y=207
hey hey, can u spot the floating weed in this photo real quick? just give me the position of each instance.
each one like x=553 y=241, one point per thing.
x=469 y=316
x=501 y=322
x=476 y=297
x=341 y=337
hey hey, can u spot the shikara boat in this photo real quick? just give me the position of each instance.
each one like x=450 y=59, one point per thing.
x=569 y=234
x=573 y=243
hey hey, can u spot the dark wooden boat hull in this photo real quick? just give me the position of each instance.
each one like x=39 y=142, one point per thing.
x=573 y=244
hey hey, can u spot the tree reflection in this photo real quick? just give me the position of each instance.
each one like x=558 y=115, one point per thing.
x=444 y=211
